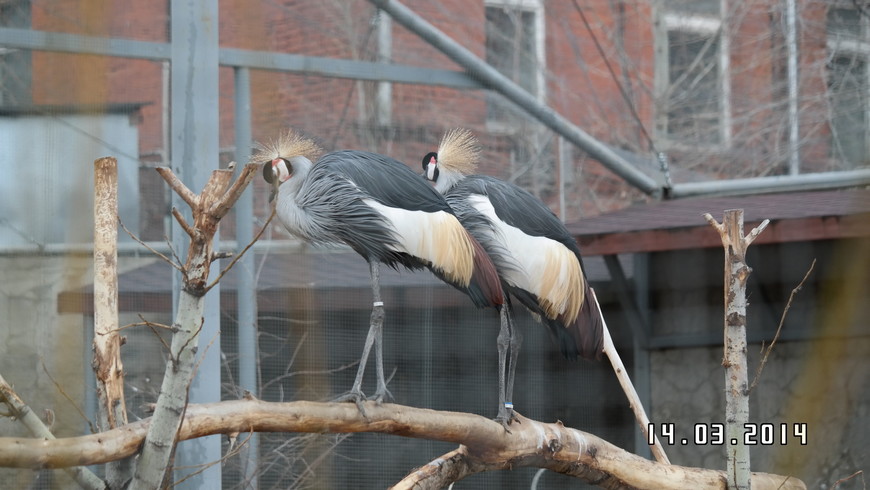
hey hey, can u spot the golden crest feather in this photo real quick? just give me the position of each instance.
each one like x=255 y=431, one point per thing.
x=290 y=144
x=459 y=151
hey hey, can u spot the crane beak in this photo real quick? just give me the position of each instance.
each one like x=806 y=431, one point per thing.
x=431 y=171
x=274 y=192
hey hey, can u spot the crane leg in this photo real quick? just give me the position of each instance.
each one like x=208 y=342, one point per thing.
x=516 y=342
x=374 y=337
x=355 y=394
x=504 y=413
x=377 y=324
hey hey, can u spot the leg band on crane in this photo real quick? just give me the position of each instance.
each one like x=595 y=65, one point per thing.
x=509 y=405
x=378 y=303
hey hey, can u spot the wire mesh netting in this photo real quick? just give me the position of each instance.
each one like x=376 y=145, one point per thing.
x=726 y=89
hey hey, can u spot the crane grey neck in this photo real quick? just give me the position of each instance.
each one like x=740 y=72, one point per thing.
x=447 y=179
x=289 y=209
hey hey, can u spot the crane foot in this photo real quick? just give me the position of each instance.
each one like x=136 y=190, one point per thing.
x=355 y=396
x=381 y=395
x=506 y=417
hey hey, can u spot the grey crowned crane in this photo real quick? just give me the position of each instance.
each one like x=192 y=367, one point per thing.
x=538 y=261
x=383 y=211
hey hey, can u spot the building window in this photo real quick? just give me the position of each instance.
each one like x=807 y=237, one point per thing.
x=692 y=73
x=514 y=47
x=848 y=98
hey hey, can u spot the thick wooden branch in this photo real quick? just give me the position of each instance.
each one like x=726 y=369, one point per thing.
x=486 y=445
x=21 y=411
x=442 y=471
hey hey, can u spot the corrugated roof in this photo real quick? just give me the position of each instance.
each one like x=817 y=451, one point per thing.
x=680 y=223
x=690 y=212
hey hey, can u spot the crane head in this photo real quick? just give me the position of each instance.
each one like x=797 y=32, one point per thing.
x=276 y=172
x=430 y=166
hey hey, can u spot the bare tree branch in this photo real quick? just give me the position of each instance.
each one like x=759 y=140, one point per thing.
x=83 y=476
x=68 y=398
x=779 y=328
x=174 y=263
x=628 y=387
x=853 y=475
x=486 y=445
x=183 y=223
x=178 y=186
x=242 y=253
x=225 y=203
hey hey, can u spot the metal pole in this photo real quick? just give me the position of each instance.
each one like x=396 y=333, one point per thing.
x=641 y=345
x=385 y=54
x=194 y=149
x=792 y=67
x=564 y=161
x=246 y=292
x=494 y=80
x=783 y=183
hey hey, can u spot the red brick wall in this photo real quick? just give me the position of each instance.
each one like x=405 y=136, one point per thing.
x=578 y=84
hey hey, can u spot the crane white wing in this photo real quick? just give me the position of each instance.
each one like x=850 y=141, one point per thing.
x=547 y=268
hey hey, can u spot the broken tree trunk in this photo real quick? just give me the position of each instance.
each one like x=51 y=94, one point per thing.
x=208 y=208
x=734 y=361
x=107 y=365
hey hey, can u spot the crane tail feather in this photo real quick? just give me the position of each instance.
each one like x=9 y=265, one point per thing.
x=485 y=276
x=588 y=330
x=461 y=261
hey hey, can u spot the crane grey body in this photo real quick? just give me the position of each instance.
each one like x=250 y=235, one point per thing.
x=537 y=259
x=381 y=209
x=516 y=208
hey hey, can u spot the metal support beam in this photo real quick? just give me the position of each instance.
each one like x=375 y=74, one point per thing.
x=762 y=185
x=262 y=60
x=246 y=292
x=194 y=149
x=639 y=329
x=642 y=365
x=791 y=44
x=351 y=69
x=75 y=43
x=494 y=80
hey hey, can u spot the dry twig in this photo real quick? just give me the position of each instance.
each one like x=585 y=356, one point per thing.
x=242 y=253
x=176 y=265
x=769 y=348
x=853 y=475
